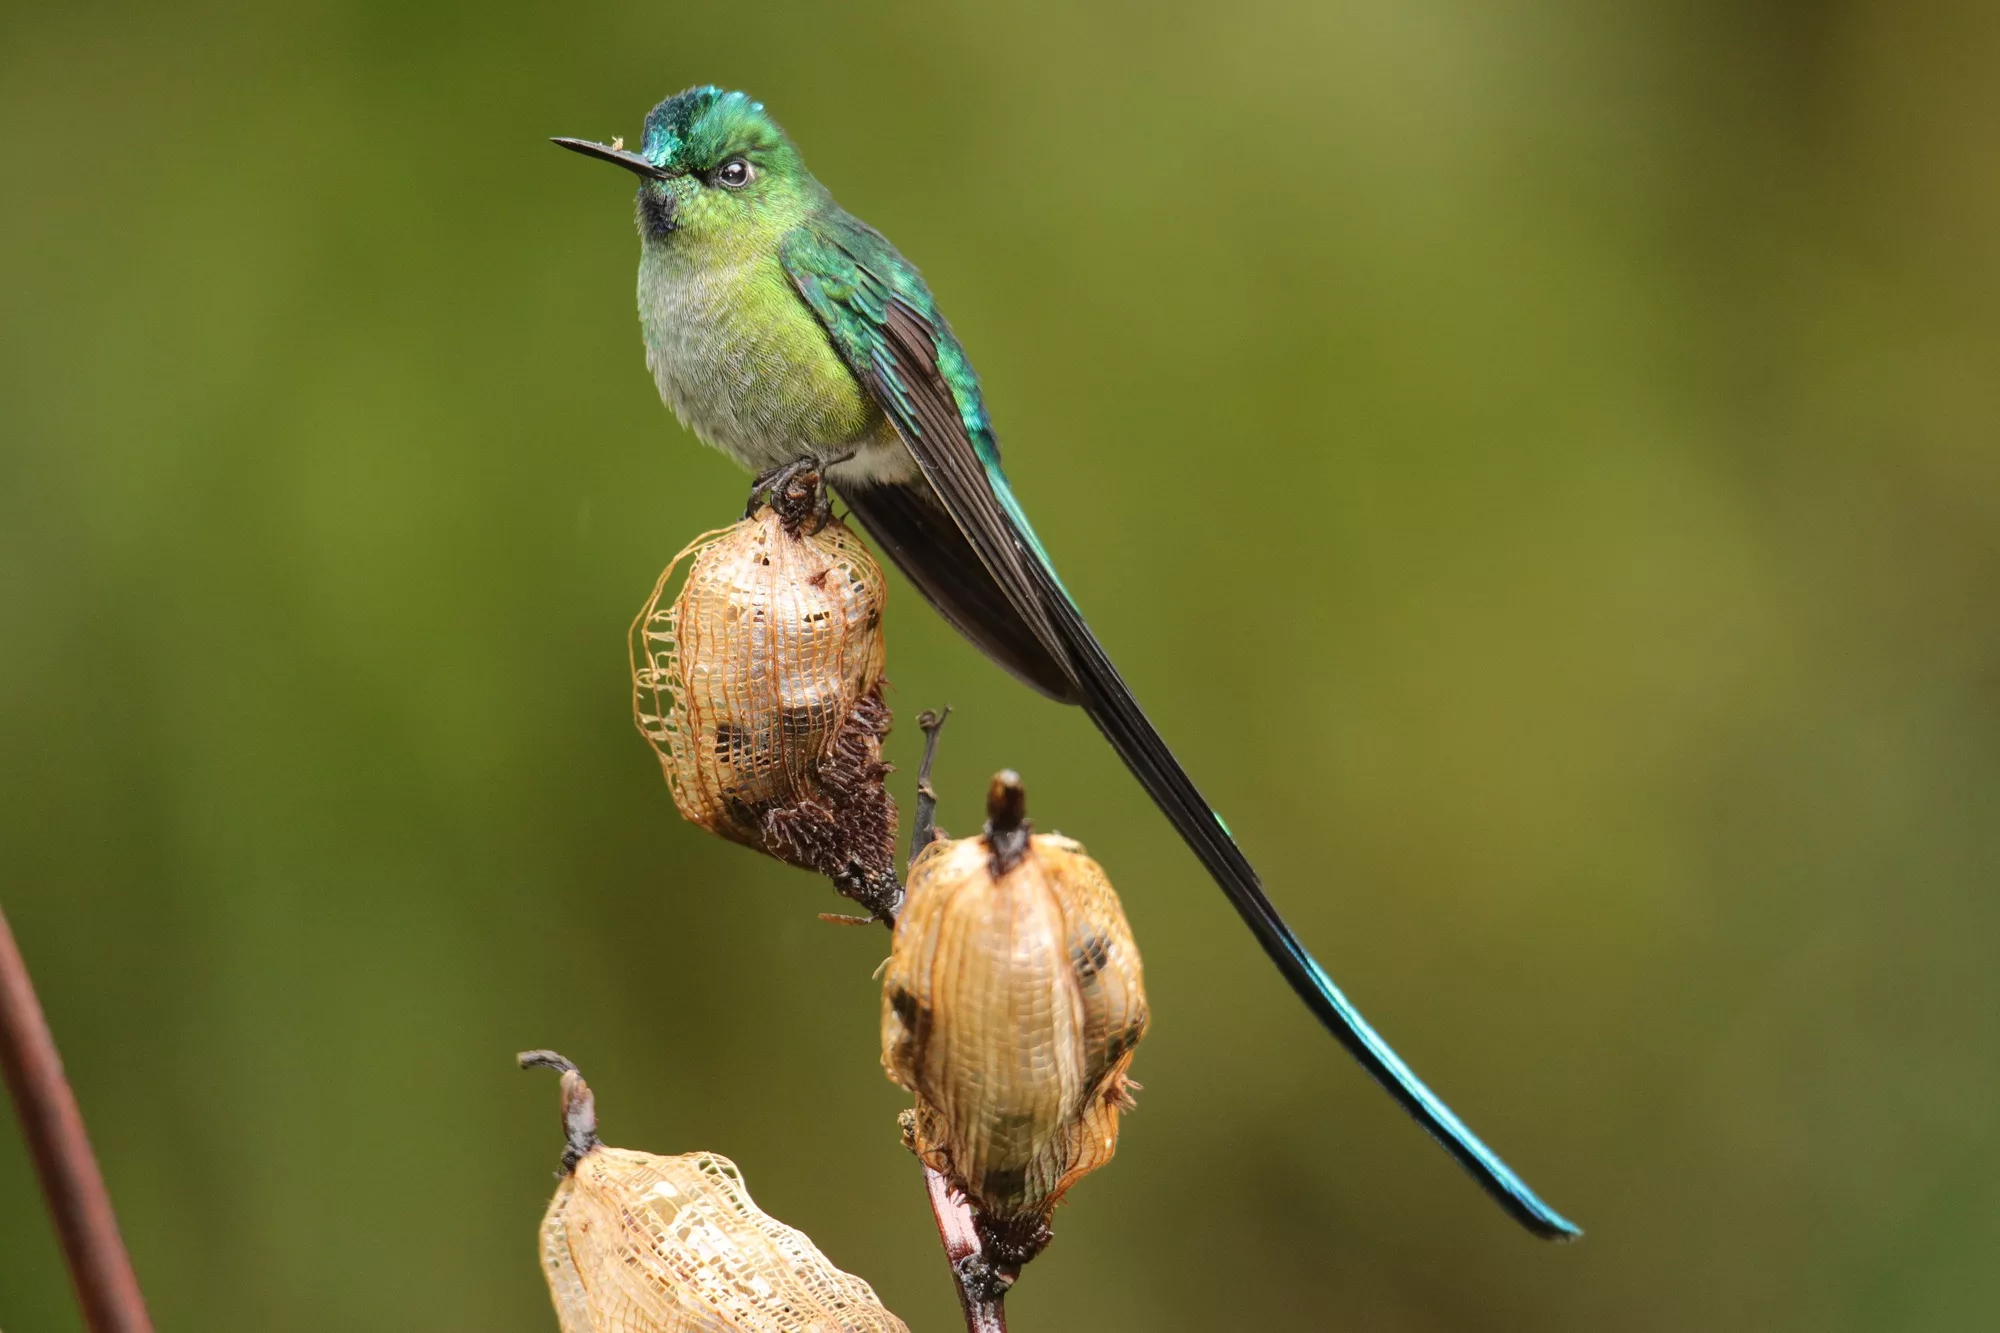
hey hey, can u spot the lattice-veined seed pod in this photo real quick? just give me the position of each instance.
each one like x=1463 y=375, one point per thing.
x=1011 y=1005
x=634 y=1243
x=759 y=686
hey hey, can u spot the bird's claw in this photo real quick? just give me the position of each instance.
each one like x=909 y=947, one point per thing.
x=797 y=492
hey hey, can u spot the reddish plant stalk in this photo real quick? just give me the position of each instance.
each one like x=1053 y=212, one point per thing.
x=106 y=1286
x=984 y=1312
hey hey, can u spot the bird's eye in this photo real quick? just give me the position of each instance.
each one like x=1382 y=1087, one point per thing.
x=733 y=174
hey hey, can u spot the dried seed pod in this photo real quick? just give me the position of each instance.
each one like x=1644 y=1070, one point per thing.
x=1011 y=1006
x=759 y=686
x=634 y=1243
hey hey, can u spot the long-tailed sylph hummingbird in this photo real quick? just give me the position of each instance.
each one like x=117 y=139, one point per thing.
x=791 y=335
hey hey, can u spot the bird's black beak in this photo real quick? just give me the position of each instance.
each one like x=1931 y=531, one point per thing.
x=632 y=162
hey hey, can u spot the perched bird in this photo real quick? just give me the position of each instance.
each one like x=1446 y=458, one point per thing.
x=792 y=336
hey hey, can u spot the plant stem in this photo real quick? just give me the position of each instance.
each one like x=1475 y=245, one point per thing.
x=985 y=1312
x=106 y=1286
x=924 y=828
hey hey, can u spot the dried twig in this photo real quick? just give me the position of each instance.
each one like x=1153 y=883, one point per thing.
x=925 y=830
x=106 y=1286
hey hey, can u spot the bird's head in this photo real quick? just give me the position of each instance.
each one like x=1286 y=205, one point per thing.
x=711 y=165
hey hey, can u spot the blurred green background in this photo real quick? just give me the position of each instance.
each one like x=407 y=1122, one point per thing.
x=1537 y=462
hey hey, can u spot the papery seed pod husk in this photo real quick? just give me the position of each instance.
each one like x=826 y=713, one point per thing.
x=1011 y=1005
x=636 y=1243
x=759 y=686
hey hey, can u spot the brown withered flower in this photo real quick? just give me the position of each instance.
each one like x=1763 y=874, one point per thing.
x=634 y=1243
x=1011 y=1005
x=759 y=686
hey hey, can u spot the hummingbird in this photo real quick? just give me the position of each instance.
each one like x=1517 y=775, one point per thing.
x=793 y=337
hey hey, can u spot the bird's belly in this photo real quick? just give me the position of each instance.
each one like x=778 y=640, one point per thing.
x=748 y=369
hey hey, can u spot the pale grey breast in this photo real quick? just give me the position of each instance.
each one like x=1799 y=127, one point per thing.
x=764 y=390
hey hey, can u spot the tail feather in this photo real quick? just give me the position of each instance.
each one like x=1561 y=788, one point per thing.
x=1111 y=705
x=1056 y=652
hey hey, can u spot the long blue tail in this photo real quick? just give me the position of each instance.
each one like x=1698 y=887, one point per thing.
x=1117 y=714
x=1027 y=622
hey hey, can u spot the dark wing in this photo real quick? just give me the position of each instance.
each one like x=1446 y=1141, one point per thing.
x=912 y=528
x=886 y=326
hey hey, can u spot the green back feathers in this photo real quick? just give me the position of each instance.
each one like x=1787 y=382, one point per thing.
x=850 y=275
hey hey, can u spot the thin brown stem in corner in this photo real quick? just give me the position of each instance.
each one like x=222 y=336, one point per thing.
x=106 y=1286
x=979 y=1296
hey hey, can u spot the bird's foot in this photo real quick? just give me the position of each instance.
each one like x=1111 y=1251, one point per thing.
x=797 y=492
